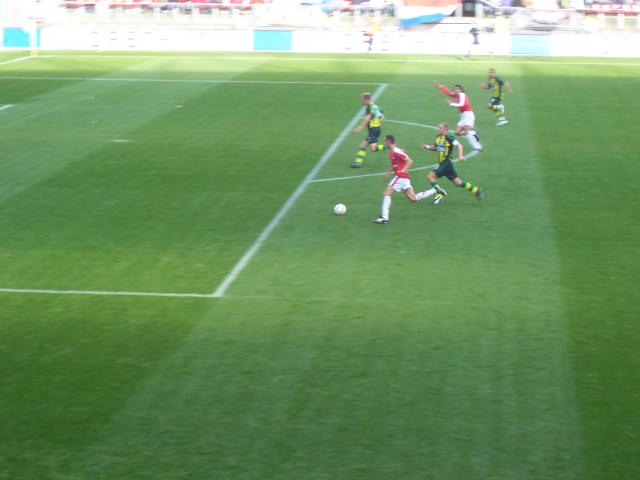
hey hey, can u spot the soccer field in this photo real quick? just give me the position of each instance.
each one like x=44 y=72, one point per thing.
x=178 y=300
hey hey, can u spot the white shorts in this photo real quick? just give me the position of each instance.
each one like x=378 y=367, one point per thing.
x=468 y=119
x=400 y=184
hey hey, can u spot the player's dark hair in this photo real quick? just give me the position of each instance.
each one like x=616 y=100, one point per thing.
x=459 y=86
x=391 y=138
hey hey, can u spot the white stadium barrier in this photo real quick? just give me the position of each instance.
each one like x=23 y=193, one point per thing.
x=340 y=27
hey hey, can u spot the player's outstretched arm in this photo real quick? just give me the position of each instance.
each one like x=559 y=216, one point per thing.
x=460 y=152
x=507 y=85
x=443 y=89
x=427 y=147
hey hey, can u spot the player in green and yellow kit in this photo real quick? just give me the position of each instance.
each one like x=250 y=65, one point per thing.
x=443 y=146
x=497 y=87
x=373 y=118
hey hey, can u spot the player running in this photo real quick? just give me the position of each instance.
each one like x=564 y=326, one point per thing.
x=401 y=181
x=466 y=124
x=497 y=86
x=443 y=146
x=373 y=118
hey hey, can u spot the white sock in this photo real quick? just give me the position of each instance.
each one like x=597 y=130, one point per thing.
x=386 y=204
x=471 y=136
x=425 y=194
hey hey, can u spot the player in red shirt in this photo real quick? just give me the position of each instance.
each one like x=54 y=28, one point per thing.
x=466 y=124
x=401 y=181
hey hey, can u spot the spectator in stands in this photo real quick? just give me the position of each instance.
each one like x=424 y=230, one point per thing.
x=475 y=34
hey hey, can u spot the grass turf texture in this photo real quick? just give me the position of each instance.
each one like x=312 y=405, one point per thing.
x=492 y=340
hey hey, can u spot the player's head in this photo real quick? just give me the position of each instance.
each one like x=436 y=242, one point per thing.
x=443 y=128
x=366 y=98
x=492 y=73
x=458 y=88
x=389 y=141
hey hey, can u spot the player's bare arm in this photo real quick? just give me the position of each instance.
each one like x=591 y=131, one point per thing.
x=407 y=165
x=427 y=147
x=460 y=152
x=365 y=120
x=508 y=87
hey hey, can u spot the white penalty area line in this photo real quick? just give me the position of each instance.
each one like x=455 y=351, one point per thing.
x=21 y=59
x=4 y=107
x=471 y=154
x=104 y=293
x=413 y=124
x=293 y=198
x=180 y=80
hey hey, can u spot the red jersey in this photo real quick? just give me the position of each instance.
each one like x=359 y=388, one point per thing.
x=460 y=100
x=398 y=158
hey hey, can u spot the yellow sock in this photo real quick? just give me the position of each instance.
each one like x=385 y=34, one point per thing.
x=360 y=155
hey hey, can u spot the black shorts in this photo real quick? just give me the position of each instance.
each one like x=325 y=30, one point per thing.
x=495 y=101
x=446 y=169
x=373 y=135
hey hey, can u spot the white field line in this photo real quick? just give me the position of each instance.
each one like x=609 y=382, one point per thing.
x=413 y=124
x=293 y=198
x=180 y=80
x=104 y=292
x=471 y=154
x=21 y=59
x=506 y=60
x=4 y=107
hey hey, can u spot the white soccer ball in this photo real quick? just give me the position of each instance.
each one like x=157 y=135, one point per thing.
x=340 y=209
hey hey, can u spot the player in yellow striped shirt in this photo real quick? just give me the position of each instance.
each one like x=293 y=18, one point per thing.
x=443 y=146
x=373 y=118
x=497 y=87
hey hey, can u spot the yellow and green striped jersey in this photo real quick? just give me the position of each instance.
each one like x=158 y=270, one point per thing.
x=496 y=85
x=444 y=147
x=376 y=115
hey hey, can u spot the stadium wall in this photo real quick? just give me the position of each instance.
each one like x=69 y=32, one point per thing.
x=317 y=41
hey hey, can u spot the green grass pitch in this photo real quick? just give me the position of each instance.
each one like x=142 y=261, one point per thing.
x=493 y=340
